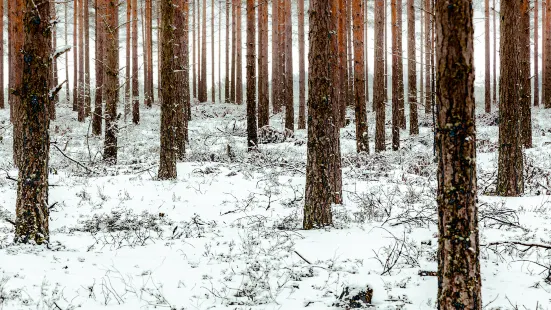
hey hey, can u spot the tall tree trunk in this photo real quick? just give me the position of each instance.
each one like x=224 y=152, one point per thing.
x=97 y=117
x=81 y=68
x=66 y=32
x=341 y=78
x=75 y=56
x=400 y=69
x=234 y=51
x=128 y=68
x=275 y=58
x=86 y=24
x=289 y=99
x=203 y=92
x=182 y=76
x=228 y=63
x=239 y=54
x=536 y=56
x=301 y=68
x=135 y=66
x=495 y=56
x=525 y=83
x=379 y=96
x=459 y=281
x=32 y=214
x=547 y=59
x=2 y=105
x=412 y=70
x=421 y=99
x=362 y=137
x=168 y=149
x=350 y=57
x=16 y=39
x=212 y=58
x=281 y=54
x=149 y=54
x=323 y=160
x=252 y=139
x=510 y=163
x=397 y=72
x=263 y=86
x=487 y=89
x=428 y=55
x=220 y=53
x=544 y=33
x=193 y=56
x=387 y=75
x=111 y=85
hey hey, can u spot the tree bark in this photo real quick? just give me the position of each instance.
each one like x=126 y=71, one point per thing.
x=149 y=54
x=412 y=70
x=459 y=281
x=252 y=139
x=16 y=39
x=66 y=33
x=379 y=96
x=239 y=55
x=203 y=91
x=421 y=99
x=263 y=82
x=289 y=98
x=510 y=162
x=135 y=65
x=228 y=62
x=362 y=137
x=487 y=89
x=81 y=68
x=32 y=214
x=428 y=55
x=54 y=82
x=495 y=57
x=536 y=56
x=168 y=154
x=111 y=85
x=182 y=75
x=397 y=72
x=301 y=67
x=2 y=105
x=97 y=118
x=341 y=78
x=547 y=59
x=525 y=75
x=234 y=51
x=75 y=56
x=323 y=159
x=86 y=24
x=128 y=59
x=212 y=56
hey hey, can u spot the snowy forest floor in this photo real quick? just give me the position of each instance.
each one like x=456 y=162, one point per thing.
x=226 y=234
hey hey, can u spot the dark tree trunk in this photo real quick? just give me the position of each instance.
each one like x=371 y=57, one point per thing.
x=412 y=71
x=212 y=56
x=301 y=68
x=289 y=99
x=81 y=68
x=275 y=57
x=203 y=91
x=252 y=140
x=148 y=54
x=2 y=105
x=239 y=52
x=66 y=35
x=510 y=163
x=53 y=47
x=487 y=89
x=428 y=56
x=182 y=75
x=263 y=82
x=547 y=59
x=86 y=24
x=128 y=59
x=32 y=214
x=495 y=56
x=111 y=81
x=135 y=66
x=362 y=137
x=169 y=119
x=525 y=101
x=280 y=79
x=459 y=281
x=75 y=56
x=421 y=99
x=397 y=72
x=233 y=51
x=379 y=96
x=323 y=160
x=341 y=74
x=16 y=38
x=536 y=56
x=228 y=63
x=97 y=118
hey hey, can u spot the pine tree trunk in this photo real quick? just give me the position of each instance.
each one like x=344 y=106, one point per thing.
x=203 y=90
x=510 y=163
x=547 y=59
x=289 y=98
x=81 y=68
x=239 y=55
x=193 y=57
x=400 y=94
x=169 y=119
x=428 y=55
x=350 y=58
x=2 y=105
x=148 y=54
x=111 y=85
x=487 y=89
x=55 y=82
x=412 y=70
x=536 y=56
x=421 y=99
x=66 y=32
x=86 y=24
x=341 y=78
x=16 y=76
x=212 y=58
x=275 y=57
x=459 y=281
x=495 y=57
x=228 y=47
x=301 y=68
x=32 y=214
x=362 y=137
x=234 y=51
x=135 y=66
x=281 y=54
x=252 y=140
x=397 y=69
x=263 y=88
x=525 y=76
x=182 y=77
x=75 y=56
x=323 y=160
x=97 y=117
x=379 y=96
x=128 y=59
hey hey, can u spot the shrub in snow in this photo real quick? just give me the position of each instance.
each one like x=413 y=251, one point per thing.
x=269 y=134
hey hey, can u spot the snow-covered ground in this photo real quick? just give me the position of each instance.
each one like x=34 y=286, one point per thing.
x=226 y=234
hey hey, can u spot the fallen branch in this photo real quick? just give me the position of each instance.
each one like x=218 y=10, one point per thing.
x=427 y=273
x=76 y=162
x=526 y=244
x=304 y=259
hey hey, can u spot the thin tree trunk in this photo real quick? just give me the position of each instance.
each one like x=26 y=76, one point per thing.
x=362 y=137
x=341 y=80
x=16 y=77
x=2 y=105
x=239 y=51
x=234 y=51
x=53 y=46
x=252 y=139
x=301 y=68
x=97 y=117
x=289 y=99
x=193 y=56
x=428 y=55
x=263 y=84
x=128 y=67
x=149 y=54
x=397 y=73
x=135 y=66
x=75 y=56
x=323 y=160
x=510 y=162
x=111 y=81
x=32 y=214
x=86 y=24
x=525 y=83
x=421 y=99
x=81 y=68
x=459 y=280
x=275 y=57
x=281 y=54
x=212 y=58
x=379 y=96
x=67 y=84
x=547 y=59
x=412 y=70
x=536 y=56
x=203 y=92
x=182 y=76
x=350 y=57
x=228 y=63
x=487 y=89
x=495 y=57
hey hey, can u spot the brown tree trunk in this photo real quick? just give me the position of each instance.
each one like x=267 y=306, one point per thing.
x=421 y=99
x=97 y=117
x=252 y=140
x=387 y=75
x=203 y=90
x=428 y=56
x=525 y=83
x=111 y=85
x=234 y=51
x=53 y=46
x=350 y=58
x=495 y=57
x=301 y=68
x=487 y=89
x=397 y=72
x=362 y=137
x=212 y=58
x=379 y=96
x=510 y=163
x=135 y=66
x=228 y=47
x=75 y=56
x=459 y=281
x=412 y=70
x=148 y=54
x=289 y=99
x=536 y=56
x=193 y=57
x=323 y=160
x=32 y=214
x=86 y=24
x=547 y=59
x=239 y=55
x=275 y=57
x=81 y=69
x=16 y=39
x=169 y=119
x=341 y=78
x=182 y=77
x=2 y=105
x=280 y=79
x=66 y=34
x=263 y=84
x=128 y=68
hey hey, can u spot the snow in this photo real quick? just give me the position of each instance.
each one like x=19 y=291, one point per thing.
x=226 y=234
